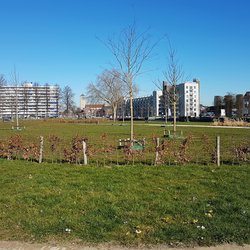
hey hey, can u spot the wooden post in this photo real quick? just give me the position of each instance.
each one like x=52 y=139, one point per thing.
x=218 y=150
x=41 y=150
x=84 y=148
x=157 y=151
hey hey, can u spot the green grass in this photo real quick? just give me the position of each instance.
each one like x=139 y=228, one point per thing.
x=106 y=135
x=124 y=204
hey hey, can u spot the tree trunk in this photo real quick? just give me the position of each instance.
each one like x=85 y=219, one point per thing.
x=174 y=104
x=114 y=112
x=131 y=109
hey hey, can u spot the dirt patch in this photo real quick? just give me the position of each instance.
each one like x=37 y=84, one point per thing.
x=13 y=245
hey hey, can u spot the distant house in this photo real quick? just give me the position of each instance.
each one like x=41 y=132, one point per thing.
x=94 y=110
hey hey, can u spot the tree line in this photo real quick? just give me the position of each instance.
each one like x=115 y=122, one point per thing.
x=233 y=104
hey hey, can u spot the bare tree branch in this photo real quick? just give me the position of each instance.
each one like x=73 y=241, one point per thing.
x=108 y=88
x=130 y=50
x=67 y=100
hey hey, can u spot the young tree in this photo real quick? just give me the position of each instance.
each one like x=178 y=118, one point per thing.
x=173 y=75
x=3 y=82
x=67 y=100
x=59 y=99
x=108 y=88
x=47 y=99
x=131 y=50
x=37 y=98
x=25 y=99
x=15 y=103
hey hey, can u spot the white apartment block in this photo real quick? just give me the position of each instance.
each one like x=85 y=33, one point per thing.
x=188 y=102
x=189 y=99
x=145 y=106
x=29 y=101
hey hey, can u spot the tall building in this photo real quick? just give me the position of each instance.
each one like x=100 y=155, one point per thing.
x=29 y=100
x=82 y=101
x=160 y=103
x=145 y=106
x=189 y=99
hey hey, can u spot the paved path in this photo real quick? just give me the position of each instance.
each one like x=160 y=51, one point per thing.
x=192 y=126
x=10 y=245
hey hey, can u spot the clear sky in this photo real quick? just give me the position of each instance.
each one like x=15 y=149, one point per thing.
x=54 y=41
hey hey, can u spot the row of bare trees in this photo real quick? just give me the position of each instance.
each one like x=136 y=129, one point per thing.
x=232 y=103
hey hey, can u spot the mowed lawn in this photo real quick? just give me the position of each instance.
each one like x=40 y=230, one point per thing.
x=124 y=204
x=193 y=204
x=103 y=140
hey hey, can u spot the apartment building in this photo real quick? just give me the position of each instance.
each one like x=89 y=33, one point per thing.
x=246 y=104
x=29 y=101
x=145 y=106
x=160 y=103
x=189 y=99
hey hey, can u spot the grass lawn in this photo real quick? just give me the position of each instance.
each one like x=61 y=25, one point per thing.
x=103 y=141
x=124 y=204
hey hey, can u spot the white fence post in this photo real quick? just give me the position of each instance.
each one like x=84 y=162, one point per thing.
x=157 y=151
x=41 y=150
x=218 y=150
x=84 y=148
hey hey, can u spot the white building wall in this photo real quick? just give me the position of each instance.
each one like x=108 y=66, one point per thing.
x=157 y=102
x=188 y=102
x=29 y=100
x=189 y=99
x=82 y=102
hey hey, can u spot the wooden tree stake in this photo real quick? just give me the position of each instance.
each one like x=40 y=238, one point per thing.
x=41 y=150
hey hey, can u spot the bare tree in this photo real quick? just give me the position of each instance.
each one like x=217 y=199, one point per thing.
x=229 y=101
x=36 y=98
x=173 y=75
x=47 y=99
x=59 y=99
x=67 y=100
x=218 y=104
x=3 y=81
x=25 y=99
x=239 y=105
x=108 y=88
x=131 y=50
x=16 y=102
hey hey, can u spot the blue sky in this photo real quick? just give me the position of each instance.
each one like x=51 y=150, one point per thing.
x=54 y=41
